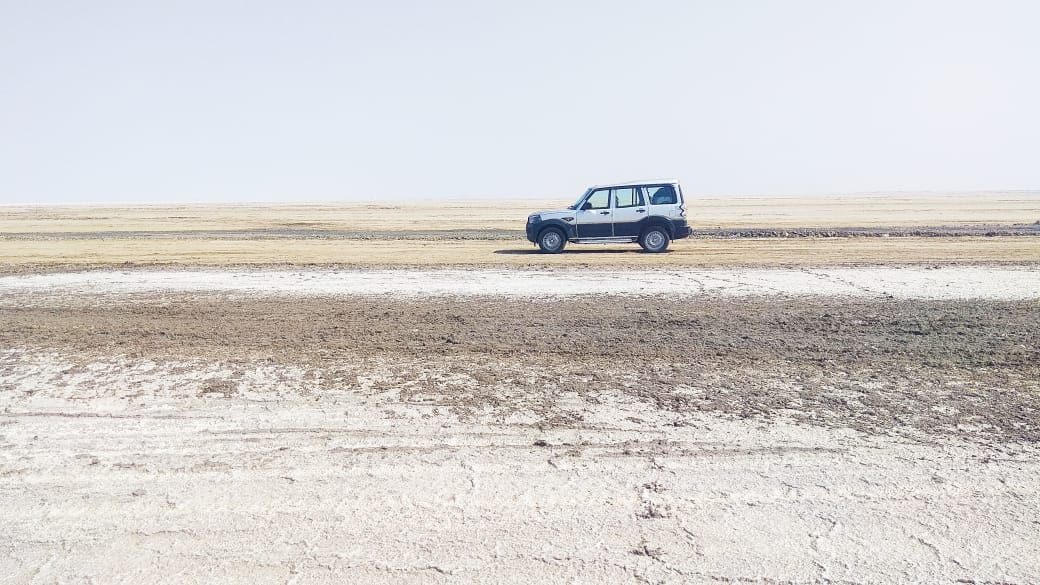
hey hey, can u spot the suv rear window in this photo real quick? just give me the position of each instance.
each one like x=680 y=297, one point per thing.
x=662 y=195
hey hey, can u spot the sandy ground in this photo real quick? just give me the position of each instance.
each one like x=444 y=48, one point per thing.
x=792 y=426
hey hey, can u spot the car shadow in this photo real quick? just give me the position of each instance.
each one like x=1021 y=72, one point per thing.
x=536 y=252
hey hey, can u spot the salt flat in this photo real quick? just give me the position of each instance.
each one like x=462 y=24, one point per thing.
x=974 y=282
x=186 y=472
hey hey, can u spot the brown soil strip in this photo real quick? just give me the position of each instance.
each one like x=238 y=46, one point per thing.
x=965 y=368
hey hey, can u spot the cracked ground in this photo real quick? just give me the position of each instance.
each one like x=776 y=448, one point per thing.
x=191 y=437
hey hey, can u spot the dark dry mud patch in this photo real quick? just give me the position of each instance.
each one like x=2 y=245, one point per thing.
x=932 y=368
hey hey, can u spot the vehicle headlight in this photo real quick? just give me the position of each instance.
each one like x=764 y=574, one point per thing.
x=534 y=218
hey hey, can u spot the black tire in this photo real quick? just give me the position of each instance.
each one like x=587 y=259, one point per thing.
x=654 y=240
x=551 y=241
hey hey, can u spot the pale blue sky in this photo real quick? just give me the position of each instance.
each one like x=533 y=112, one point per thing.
x=321 y=100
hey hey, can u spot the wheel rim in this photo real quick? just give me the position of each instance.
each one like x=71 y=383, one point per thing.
x=551 y=240
x=654 y=240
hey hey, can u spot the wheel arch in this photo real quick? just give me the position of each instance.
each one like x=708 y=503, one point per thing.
x=569 y=231
x=661 y=222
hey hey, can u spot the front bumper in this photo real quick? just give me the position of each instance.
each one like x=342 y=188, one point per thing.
x=532 y=232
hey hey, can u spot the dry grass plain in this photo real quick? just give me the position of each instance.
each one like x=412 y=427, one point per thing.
x=72 y=253
x=491 y=233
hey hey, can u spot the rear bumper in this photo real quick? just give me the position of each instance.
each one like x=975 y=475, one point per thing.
x=532 y=232
x=681 y=230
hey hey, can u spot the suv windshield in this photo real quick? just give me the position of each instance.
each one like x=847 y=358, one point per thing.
x=578 y=202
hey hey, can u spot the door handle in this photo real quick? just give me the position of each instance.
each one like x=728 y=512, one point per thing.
x=604 y=213
x=640 y=211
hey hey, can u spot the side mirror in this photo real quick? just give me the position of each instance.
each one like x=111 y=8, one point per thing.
x=586 y=205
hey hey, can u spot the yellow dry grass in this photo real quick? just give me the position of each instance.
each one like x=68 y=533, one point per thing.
x=895 y=210
x=765 y=252
x=73 y=250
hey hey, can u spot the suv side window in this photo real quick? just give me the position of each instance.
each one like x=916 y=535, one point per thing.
x=628 y=196
x=598 y=200
x=662 y=195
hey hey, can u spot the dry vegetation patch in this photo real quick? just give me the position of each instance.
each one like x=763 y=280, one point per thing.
x=925 y=228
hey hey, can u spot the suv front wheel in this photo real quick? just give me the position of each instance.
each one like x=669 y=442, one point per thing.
x=552 y=241
x=654 y=239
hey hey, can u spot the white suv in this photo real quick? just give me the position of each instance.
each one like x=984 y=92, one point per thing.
x=652 y=213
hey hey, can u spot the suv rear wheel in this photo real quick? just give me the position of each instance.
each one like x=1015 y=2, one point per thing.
x=654 y=239
x=551 y=241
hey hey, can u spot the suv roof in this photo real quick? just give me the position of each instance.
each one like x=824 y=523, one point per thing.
x=635 y=183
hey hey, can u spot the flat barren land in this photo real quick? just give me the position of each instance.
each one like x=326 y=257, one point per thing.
x=206 y=395
x=985 y=228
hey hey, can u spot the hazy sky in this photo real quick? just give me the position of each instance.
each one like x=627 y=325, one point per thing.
x=335 y=100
